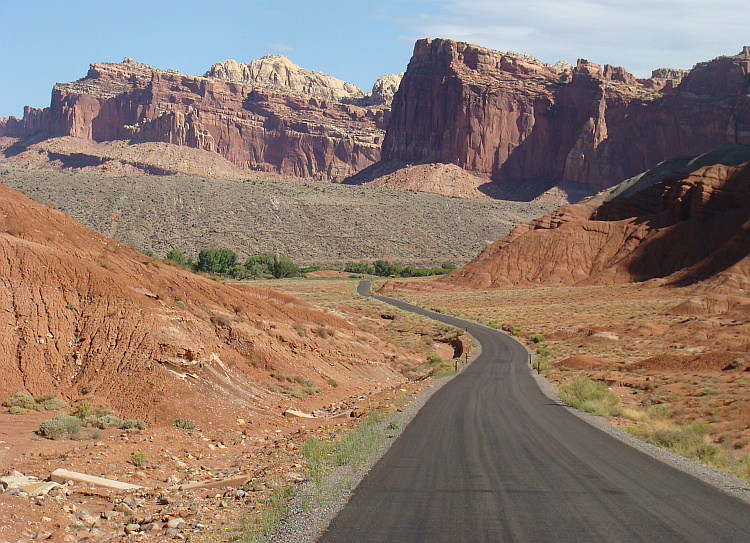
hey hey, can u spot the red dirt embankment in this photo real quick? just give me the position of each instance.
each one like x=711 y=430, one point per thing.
x=685 y=229
x=90 y=319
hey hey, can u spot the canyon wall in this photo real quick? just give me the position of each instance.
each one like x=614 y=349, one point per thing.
x=270 y=115
x=502 y=116
x=516 y=119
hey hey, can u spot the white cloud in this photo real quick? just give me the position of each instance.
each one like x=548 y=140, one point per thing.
x=639 y=34
x=280 y=46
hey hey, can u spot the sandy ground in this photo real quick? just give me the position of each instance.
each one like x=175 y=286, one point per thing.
x=637 y=339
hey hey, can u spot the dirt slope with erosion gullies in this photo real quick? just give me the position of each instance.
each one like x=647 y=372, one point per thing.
x=92 y=320
x=310 y=222
x=688 y=227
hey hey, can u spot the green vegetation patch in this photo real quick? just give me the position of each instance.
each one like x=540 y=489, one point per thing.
x=591 y=396
x=23 y=400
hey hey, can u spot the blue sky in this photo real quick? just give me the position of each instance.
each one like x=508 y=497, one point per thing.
x=53 y=41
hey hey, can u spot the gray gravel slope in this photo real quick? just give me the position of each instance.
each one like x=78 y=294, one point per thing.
x=308 y=221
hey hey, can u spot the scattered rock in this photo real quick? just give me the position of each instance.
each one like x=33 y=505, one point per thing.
x=294 y=477
x=176 y=522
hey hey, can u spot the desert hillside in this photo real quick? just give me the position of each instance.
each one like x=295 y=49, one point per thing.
x=686 y=228
x=307 y=221
x=90 y=319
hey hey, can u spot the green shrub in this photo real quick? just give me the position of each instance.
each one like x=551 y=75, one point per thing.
x=185 y=424
x=83 y=410
x=108 y=421
x=90 y=420
x=60 y=425
x=362 y=268
x=17 y=410
x=52 y=429
x=591 y=396
x=216 y=261
x=138 y=458
x=537 y=338
x=21 y=399
x=176 y=256
x=50 y=403
x=133 y=424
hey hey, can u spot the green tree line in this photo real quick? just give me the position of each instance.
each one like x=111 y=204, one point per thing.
x=225 y=262
x=383 y=268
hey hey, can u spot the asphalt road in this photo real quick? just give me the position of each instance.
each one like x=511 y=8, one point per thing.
x=491 y=458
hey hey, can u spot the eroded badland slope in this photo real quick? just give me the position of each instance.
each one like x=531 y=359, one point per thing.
x=689 y=227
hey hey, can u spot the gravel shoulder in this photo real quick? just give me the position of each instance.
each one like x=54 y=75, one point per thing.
x=734 y=486
x=303 y=524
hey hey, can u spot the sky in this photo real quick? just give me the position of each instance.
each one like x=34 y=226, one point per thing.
x=44 y=42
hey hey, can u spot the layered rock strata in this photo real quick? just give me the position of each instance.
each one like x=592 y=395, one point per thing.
x=518 y=120
x=269 y=115
x=689 y=227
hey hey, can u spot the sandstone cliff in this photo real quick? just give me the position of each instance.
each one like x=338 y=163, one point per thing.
x=520 y=121
x=688 y=227
x=280 y=73
x=269 y=115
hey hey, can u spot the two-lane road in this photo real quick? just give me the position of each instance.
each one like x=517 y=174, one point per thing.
x=491 y=458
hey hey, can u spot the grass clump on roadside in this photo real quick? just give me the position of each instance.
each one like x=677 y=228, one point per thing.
x=260 y=524
x=440 y=367
x=691 y=440
x=591 y=396
x=349 y=450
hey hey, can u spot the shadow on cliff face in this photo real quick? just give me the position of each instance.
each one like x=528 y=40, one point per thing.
x=698 y=229
x=23 y=144
x=374 y=171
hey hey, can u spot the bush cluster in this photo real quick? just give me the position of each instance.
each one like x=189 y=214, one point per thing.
x=84 y=415
x=22 y=401
x=59 y=425
x=224 y=262
x=384 y=268
x=184 y=424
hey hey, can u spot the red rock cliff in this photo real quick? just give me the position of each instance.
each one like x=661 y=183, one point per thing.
x=518 y=120
x=256 y=126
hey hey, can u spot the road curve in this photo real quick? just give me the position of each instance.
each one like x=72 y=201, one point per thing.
x=491 y=458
